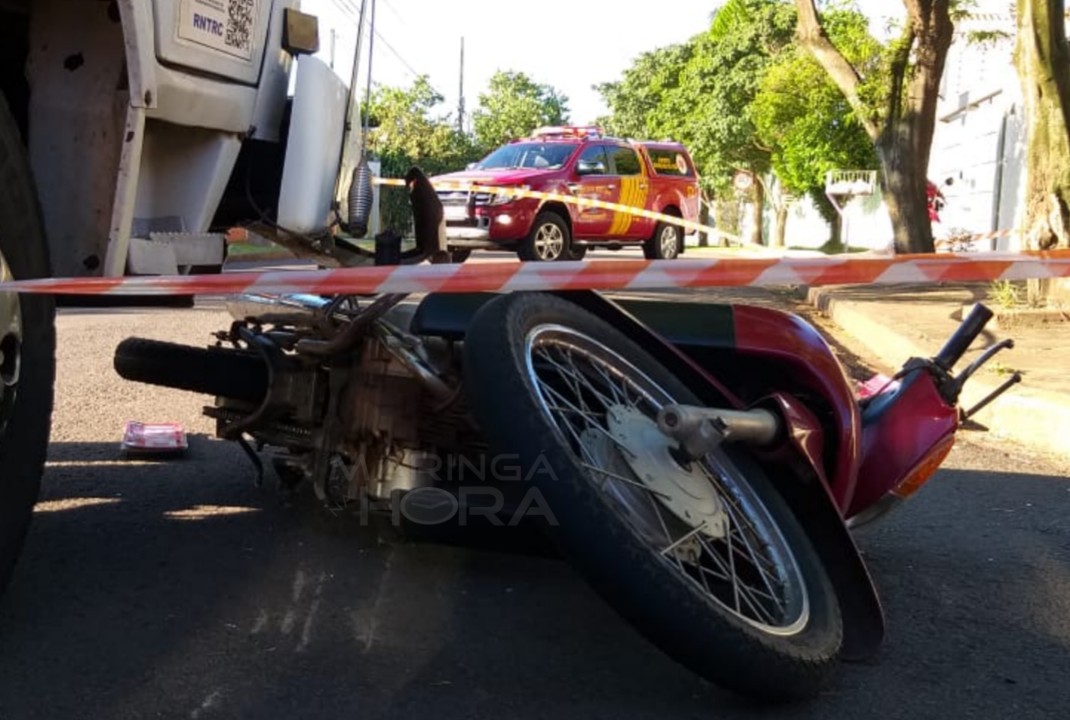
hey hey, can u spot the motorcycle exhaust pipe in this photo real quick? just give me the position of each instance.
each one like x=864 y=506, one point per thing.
x=295 y=309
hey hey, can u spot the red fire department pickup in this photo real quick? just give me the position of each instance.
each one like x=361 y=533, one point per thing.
x=578 y=161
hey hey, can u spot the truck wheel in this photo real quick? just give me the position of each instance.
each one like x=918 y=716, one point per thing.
x=27 y=348
x=664 y=244
x=547 y=241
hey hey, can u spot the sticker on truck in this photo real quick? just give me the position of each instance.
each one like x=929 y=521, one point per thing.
x=224 y=25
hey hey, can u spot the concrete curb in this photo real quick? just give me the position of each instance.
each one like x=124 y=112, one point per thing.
x=1035 y=418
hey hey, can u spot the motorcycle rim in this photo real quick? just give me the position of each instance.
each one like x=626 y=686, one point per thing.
x=736 y=556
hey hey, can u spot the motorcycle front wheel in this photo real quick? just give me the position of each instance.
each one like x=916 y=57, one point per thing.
x=703 y=557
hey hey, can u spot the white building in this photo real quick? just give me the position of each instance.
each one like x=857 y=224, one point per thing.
x=979 y=145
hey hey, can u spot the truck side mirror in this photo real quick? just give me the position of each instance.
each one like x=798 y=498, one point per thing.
x=587 y=167
x=300 y=33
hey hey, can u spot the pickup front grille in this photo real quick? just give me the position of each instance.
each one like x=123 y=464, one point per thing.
x=463 y=197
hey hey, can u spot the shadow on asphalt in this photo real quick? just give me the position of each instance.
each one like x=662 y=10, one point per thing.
x=155 y=602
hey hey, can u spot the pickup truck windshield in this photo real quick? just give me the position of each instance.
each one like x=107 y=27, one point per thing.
x=527 y=155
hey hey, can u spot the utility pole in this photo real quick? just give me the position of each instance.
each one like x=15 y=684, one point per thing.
x=460 y=103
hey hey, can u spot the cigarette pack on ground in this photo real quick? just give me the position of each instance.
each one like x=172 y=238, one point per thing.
x=167 y=438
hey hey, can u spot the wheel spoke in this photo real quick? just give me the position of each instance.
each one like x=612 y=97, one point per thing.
x=749 y=569
x=621 y=478
x=732 y=570
x=680 y=541
x=665 y=529
x=740 y=593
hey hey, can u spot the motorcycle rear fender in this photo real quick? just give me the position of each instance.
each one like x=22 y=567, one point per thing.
x=683 y=342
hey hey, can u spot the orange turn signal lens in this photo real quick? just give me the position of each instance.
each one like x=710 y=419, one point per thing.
x=924 y=470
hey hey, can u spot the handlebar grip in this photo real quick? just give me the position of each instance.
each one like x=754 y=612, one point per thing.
x=956 y=346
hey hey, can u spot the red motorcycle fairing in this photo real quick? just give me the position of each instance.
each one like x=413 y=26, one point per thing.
x=902 y=428
x=793 y=357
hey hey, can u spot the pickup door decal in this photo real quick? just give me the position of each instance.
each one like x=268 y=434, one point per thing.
x=224 y=25
x=633 y=192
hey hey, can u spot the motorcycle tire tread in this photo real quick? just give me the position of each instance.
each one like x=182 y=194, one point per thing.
x=674 y=615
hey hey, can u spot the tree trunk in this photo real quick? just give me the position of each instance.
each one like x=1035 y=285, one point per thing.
x=758 y=218
x=902 y=127
x=904 y=194
x=704 y=220
x=1041 y=57
x=781 y=225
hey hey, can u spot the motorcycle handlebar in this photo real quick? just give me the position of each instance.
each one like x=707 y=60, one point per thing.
x=956 y=346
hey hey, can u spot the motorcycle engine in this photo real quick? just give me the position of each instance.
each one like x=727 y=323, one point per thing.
x=380 y=413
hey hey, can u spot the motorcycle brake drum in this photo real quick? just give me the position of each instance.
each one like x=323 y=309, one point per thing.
x=686 y=490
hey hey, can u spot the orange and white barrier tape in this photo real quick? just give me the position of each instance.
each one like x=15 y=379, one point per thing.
x=579 y=201
x=596 y=275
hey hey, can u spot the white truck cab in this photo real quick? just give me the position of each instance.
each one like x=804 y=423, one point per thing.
x=135 y=114
x=133 y=133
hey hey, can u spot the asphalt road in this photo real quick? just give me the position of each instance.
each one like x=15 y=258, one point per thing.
x=178 y=589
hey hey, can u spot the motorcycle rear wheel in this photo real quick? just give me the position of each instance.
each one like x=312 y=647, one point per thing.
x=730 y=587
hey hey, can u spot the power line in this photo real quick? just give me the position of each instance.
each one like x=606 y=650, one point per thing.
x=347 y=7
x=405 y=62
x=394 y=12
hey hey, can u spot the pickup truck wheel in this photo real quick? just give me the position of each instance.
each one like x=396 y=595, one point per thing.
x=577 y=252
x=459 y=255
x=547 y=241
x=664 y=244
x=27 y=348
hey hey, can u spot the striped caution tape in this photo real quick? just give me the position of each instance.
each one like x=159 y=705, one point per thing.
x=597 y=275
x=577 y=200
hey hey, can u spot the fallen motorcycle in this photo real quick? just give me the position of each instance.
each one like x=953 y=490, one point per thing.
x=700 y=464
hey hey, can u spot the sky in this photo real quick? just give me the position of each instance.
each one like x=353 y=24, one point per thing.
x=569 y=44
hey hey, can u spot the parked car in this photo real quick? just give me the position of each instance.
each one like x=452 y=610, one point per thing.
x=578 y=161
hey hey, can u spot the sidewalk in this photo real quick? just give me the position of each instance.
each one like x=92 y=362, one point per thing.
x=900 y=321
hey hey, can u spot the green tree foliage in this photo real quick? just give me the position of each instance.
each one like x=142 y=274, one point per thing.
x=707 y=108
x=637 y=100
x=404 y=126
x=406 y=131
x=805 y=121
x=513 y=106
x=698 y=93
x=744 y=97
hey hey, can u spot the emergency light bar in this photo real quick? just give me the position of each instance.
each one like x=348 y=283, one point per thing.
x=568 y=131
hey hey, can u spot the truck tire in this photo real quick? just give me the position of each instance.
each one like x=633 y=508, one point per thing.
x=665 y=243
x=548 y=240
x=27 y=369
